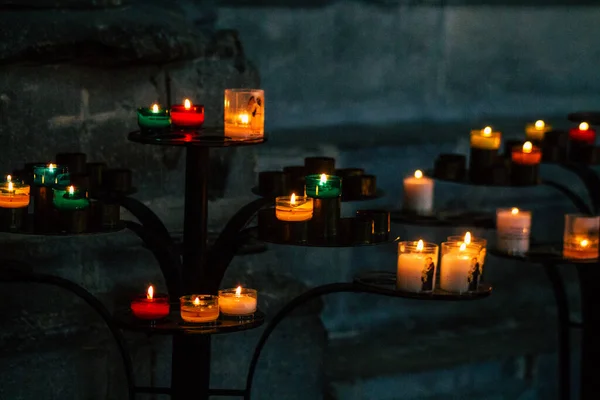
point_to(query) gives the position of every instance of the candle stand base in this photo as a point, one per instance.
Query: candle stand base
(326, 218)
(524, 175)
(74, 221)
(12, 219)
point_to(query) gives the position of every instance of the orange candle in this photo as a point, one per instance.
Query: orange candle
(528, 154)
(13, 194)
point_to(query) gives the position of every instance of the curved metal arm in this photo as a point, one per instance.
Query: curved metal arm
(12, 275)
(146, 216)
(577, 201)
(591, 181)
(169, 262)
(224, 249)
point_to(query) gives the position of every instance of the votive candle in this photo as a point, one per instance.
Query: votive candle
(187, 114)
(583, 133)
(238, 302)
(581, 236)
(293, 208)
(418, 194)
(50, 174)
(460, 267)
(151, 306)
(323, 186)
(244, 113)
(70, 198)
(153, 117)
(486, 138)
(14, 194)
(513, 228)
(199, 308)
(417, 265)
(528, 154)
(537, 130)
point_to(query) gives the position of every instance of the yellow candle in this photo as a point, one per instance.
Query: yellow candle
(199, 308)
(537, 130)
(13, 195)
(293, 208)
(239, 301)
(244, 113)
(486, 139)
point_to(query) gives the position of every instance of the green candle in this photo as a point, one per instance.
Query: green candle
(153, 117)
(323, 186)
(70, 198)
(49, 175)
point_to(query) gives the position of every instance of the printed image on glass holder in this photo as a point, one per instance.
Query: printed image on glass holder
(417, 266)
(460, 268)
(244, 114)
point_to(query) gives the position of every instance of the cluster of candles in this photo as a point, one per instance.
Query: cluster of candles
(300, 208)
(244, 115)
(197, 308)
(460, 269)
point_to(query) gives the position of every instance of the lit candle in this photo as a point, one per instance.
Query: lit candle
(470, 239)
(525, 164)
(244, 113)
(153, 117)
(418, 194)
(323, 186)
(581, 236)
(486, 139)
(583, 133)
(417, 264)
(483, 155)
(528, 154)
(238, 302)
(187, 115)
(513, 227)
(460, 267)
(199, 308)
(14, 194)
(70, 198)
(293, 209)
(537, 130)
(151, 306)
(49, 175)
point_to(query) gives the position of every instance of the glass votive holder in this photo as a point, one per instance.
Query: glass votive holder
(244, 113)
(417, 266)
(14, 194)
(153, 118)
(460, 268)
(294, 208)
(150, 308)
(323, 186)
(581, 236)
(50, 174)
(513, 228)
(471, 240)
(70, 198)
(199, 308)
(238, 301)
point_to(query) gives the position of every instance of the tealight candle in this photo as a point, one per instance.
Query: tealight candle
(486, 139)
(417, 265)
(460, 267)
(525, 164)
(244, 113)
(187, 115)
(50, 174)
(581, 236)
(70, 198)
(323, 186)
(151, 306)
(153, 117)
(14, 194)
(583, 133)
(482, 243)
(418, 194)
(484, 155)
(537, 130)
(198, 308)
(238, 302)
(293, 208)
(513, 227)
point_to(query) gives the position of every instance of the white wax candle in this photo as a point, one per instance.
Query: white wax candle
(416, 272)
(455, 269)
(513, 227)
(237, 302)
(418, 194)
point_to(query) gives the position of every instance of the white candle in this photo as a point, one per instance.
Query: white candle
(418, 194)
(513, 227)
(237, 301)
(417, 264)
(460, 268)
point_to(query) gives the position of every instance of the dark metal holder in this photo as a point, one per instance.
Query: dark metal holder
(379, 194)
(202, 137)
(467, 181)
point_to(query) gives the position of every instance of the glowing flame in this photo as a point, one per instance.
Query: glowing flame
(584, 243)
(487, 131)
(187, 104)
(154, 108)
(584, 126)
(10, 186)
(238, 291)
(293, 199)
(539, 124)
(196, 301)
(8, 178)
(51, 167)
(467, 238)
(514, 211)
(418, 174)
(71, 190)
(150, 294)
(527, 147)
(323, 178)
(463, 247)
(244, 118)
(420, 245)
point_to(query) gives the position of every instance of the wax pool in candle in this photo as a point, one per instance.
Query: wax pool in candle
(153, 117)
(528, 154)
(418, 194)
(244, 113)
(323, 186)
(187, 115)
(486, 139)
(198, 308)
(513, 228)
(238, 302)
(583, 133)
(417, 262)
(293, 208)
(460, 267)
(537, 130)
(70, 198)
(151, 306)
(14, 194)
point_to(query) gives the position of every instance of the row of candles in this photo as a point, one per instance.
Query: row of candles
(244, 115)
(300, 208)
(197, 308)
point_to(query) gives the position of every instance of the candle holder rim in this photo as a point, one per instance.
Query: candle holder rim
(232, 291)
(243, 90)
(199, 296)
(412, 245)
(180, 107)
(519, 148)
(318, 176)
(509, 209)
(308, 199)
(155, 296)
(469, 247)
(474, 239)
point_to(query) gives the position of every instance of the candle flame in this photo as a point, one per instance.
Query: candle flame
(244, 118)
(187, 104)
(467, 238)
(196, 301)
(539, 124)
(51, 166)
(527, 147)
(150, 294)
(71, 189)
(487, 131)
(293, 199)
(10, 186)
(8, 178)
(154, 108)
(420, 245)
(238, 291)
(514, 211)
(584, 126)
(323, 178)
(463, 247)
(418, 174)
(584, 243)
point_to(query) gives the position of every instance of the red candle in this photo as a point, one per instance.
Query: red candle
(583, 133)
(526, 155)
(187, 115)
(150, 306)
